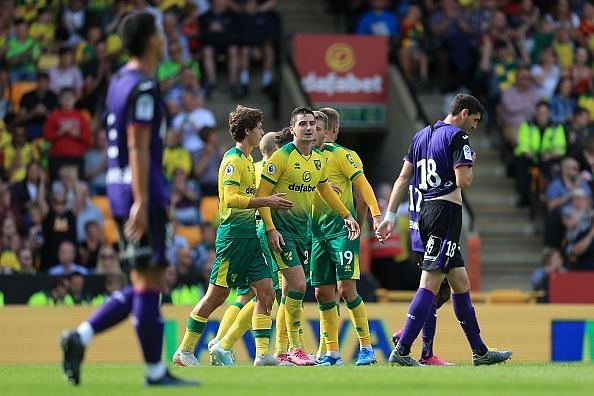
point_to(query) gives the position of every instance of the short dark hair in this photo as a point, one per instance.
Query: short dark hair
(65, 50)
(67, 90)
(43, 74)
(283, 137)
(332, 115)
(205, 132)
(300, 110)
(469, 102)
(543, 103)
(243, 118)
(135, 30)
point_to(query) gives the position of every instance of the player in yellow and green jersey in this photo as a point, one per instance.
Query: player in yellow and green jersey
(298, 170)
(334, 257)
(239, 259)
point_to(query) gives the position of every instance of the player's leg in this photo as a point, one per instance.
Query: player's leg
(427, 356)
(465, 313)
(262, 322)
(323, 278)
(244, 295)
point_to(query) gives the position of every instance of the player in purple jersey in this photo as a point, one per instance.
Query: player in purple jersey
(439, 165)
(136, 190)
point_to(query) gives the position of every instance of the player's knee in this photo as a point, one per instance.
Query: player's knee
(323, 295)
(347, 290)
(298, 286)
(244, 299)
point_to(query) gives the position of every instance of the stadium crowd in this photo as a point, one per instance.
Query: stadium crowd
(56, 61)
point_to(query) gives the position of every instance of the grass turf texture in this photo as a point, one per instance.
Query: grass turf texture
(503, 380)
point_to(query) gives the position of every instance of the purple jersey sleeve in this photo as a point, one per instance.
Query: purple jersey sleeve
(461, 151)
(143, 102)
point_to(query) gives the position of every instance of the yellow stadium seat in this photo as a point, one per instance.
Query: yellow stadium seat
(209, 209)
(192, 234)
(511, 296)
(110, 231)
(102, 203)
(18, 90)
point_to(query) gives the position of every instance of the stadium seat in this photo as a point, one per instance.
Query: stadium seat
(17, 91)
(192, 234)
(512, 296)
(110, 231)
(209, 209)
(102, 203)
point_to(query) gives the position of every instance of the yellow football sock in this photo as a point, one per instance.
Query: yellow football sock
(329, 326)
(194, 328)
(282, 339)
(239, 327)
(322, 344)
(228, 318)
(293, 308)
(301, 328)
(262, 327)
(358, 314)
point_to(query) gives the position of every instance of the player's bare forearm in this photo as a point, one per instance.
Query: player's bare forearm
(138, 151)
(332, 199)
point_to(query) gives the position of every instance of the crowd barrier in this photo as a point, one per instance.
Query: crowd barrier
(536, 333)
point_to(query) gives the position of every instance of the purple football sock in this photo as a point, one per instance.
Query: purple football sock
(149, 325)
(467, 318)
(415, 318)
(429, 332)
(112, 312)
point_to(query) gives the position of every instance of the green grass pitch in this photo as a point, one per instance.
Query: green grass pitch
(503, 380)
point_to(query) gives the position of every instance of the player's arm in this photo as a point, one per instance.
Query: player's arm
(275, 239)
(365, 196)
(400, 188)
(463, 159)
(333, 200)
(235, 200)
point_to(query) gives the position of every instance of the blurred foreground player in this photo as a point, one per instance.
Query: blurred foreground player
(138, 198)
(439, 162)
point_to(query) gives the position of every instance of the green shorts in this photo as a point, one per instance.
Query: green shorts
(334, 260)
(295, 253)
(245, 289)
(238, 262)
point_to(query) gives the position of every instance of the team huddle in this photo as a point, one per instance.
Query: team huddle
(285, 223)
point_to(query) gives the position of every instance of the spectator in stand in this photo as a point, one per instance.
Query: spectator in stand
(34, 235)
(57, 295)
(524, 24)
(173, 33)
(577, 219)
(587, 25)
(412, 54)
(546, 74)
(59, 225)
(185, 195)
(36, 105)
(66, 75)
(559, 195)
(7, 208)
(219, 35)
(9, 262)
(175, 156)
(378, 21)
(68, 131)
(518, 105)
(19, 155)
(43, 29)
(193, 117)
(85, 50)
(561, 17)
(96, 73)
(257, 34)
(207, 161)
(498, 68)
(540, 144)
(564, 49)
(584, 155)
(96, 163)
(552, 262)
(578, 130)
(113, 283)
(108, 262)
(66, 264)
(85, 211)
(31, 190)
(142, 5)
(73, 21)
(581, 72)
(563, 104)
(67, 185)
(25, 256)
(185, 264)
(169, 72)
(22, 53)
(88, 250)
(77, 289)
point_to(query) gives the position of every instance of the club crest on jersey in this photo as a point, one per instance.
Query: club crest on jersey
(349, 158)
(229, 170)
(318, 164)
(297, 165)
(271, 169)
(306, 176)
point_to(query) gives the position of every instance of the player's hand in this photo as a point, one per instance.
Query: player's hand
(377, 220)
(473, 156)
(275, 240)
(353, 227)
(277, 201)
(137, 222)
(384, 230)
(336, 189)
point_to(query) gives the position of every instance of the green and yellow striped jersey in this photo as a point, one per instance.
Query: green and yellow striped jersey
(237, 169)
(343, 166)
(297, 176)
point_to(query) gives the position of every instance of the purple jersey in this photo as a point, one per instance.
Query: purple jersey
(434, 152)
(133, 98)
